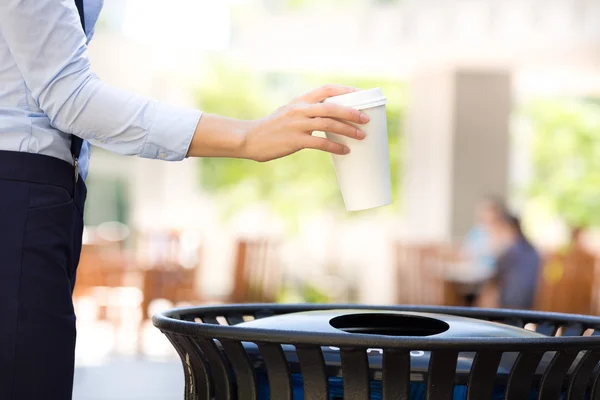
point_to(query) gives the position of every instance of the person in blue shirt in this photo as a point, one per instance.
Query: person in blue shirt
(517, 267)
(52, 109)
(479, 248)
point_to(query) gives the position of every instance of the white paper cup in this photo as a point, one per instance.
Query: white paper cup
(364, 174)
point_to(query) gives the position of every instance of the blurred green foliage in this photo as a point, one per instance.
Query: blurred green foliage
(296, 185)
(566, 159)
(314, 294)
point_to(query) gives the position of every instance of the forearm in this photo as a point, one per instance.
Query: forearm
(217, 136)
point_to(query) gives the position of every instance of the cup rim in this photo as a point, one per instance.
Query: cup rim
(361, 99)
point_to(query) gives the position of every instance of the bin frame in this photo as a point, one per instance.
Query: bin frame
(223, 370)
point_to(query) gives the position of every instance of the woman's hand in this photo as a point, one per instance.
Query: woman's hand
(290, 128)
(286, 131)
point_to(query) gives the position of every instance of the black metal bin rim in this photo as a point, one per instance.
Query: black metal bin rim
(182, 321)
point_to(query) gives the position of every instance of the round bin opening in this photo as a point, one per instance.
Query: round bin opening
(389, 325)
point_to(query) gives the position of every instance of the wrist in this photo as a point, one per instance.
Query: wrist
(217, 136)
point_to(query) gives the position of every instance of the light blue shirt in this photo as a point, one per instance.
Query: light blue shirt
(48, 91)
(478, 246)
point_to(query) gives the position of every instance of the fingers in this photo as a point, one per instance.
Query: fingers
(333, 126)
(324, 92)
(317, 143)
(330, 110)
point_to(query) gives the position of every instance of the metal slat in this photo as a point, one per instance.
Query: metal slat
(314, 376)
(554, 377)
(210, 320)
(195, 368)
(396, 375)
(187, 374)
(280, 385)
(242, 368)
(521, 375)
(355, 369)
(442, 372)
(596, 386)
(234, 319)
(582, 374)
(223, 389)
(483, 374)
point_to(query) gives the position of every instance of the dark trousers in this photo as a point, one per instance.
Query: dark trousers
(41, 225)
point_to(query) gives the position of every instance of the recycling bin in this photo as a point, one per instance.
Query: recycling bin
(358, 352)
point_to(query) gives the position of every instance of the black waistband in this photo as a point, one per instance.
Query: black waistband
(37, 168)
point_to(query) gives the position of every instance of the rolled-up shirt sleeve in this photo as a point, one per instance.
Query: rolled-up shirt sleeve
(49, 47)
(160, 142)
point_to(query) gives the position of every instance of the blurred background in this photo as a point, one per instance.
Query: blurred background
(493, 115)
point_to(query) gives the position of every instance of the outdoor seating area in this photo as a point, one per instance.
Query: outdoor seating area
(121, 288)
(569, 280)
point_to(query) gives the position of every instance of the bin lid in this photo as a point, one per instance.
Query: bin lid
(388, 323)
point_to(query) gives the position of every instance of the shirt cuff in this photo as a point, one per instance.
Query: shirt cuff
(171, 134)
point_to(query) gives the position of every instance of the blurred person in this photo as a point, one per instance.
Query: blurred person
(52, 109)
(478, 248)
(517, 266)
(578, 243)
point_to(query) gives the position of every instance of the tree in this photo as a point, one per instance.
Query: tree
(566, 159)
(302, 183)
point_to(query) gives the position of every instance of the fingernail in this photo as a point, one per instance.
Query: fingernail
(346, 150)
(360, 134)
(364, 118)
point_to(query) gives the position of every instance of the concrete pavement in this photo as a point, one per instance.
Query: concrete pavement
(130, 379)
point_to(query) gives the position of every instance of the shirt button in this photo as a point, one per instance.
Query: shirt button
(162, 156)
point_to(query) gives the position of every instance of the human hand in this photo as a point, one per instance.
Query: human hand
(290, 128)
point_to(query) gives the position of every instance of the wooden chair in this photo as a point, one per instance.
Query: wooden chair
(567, 282)
(176, 285)
(419, 274)
(166, 279)
(101, 277)
(257, 276)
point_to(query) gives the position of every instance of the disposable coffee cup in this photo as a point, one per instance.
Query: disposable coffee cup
(364, 174)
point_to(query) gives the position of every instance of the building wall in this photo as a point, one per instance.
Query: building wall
(396, 39)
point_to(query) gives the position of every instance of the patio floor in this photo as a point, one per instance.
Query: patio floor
(129, 379)
(111, 365)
